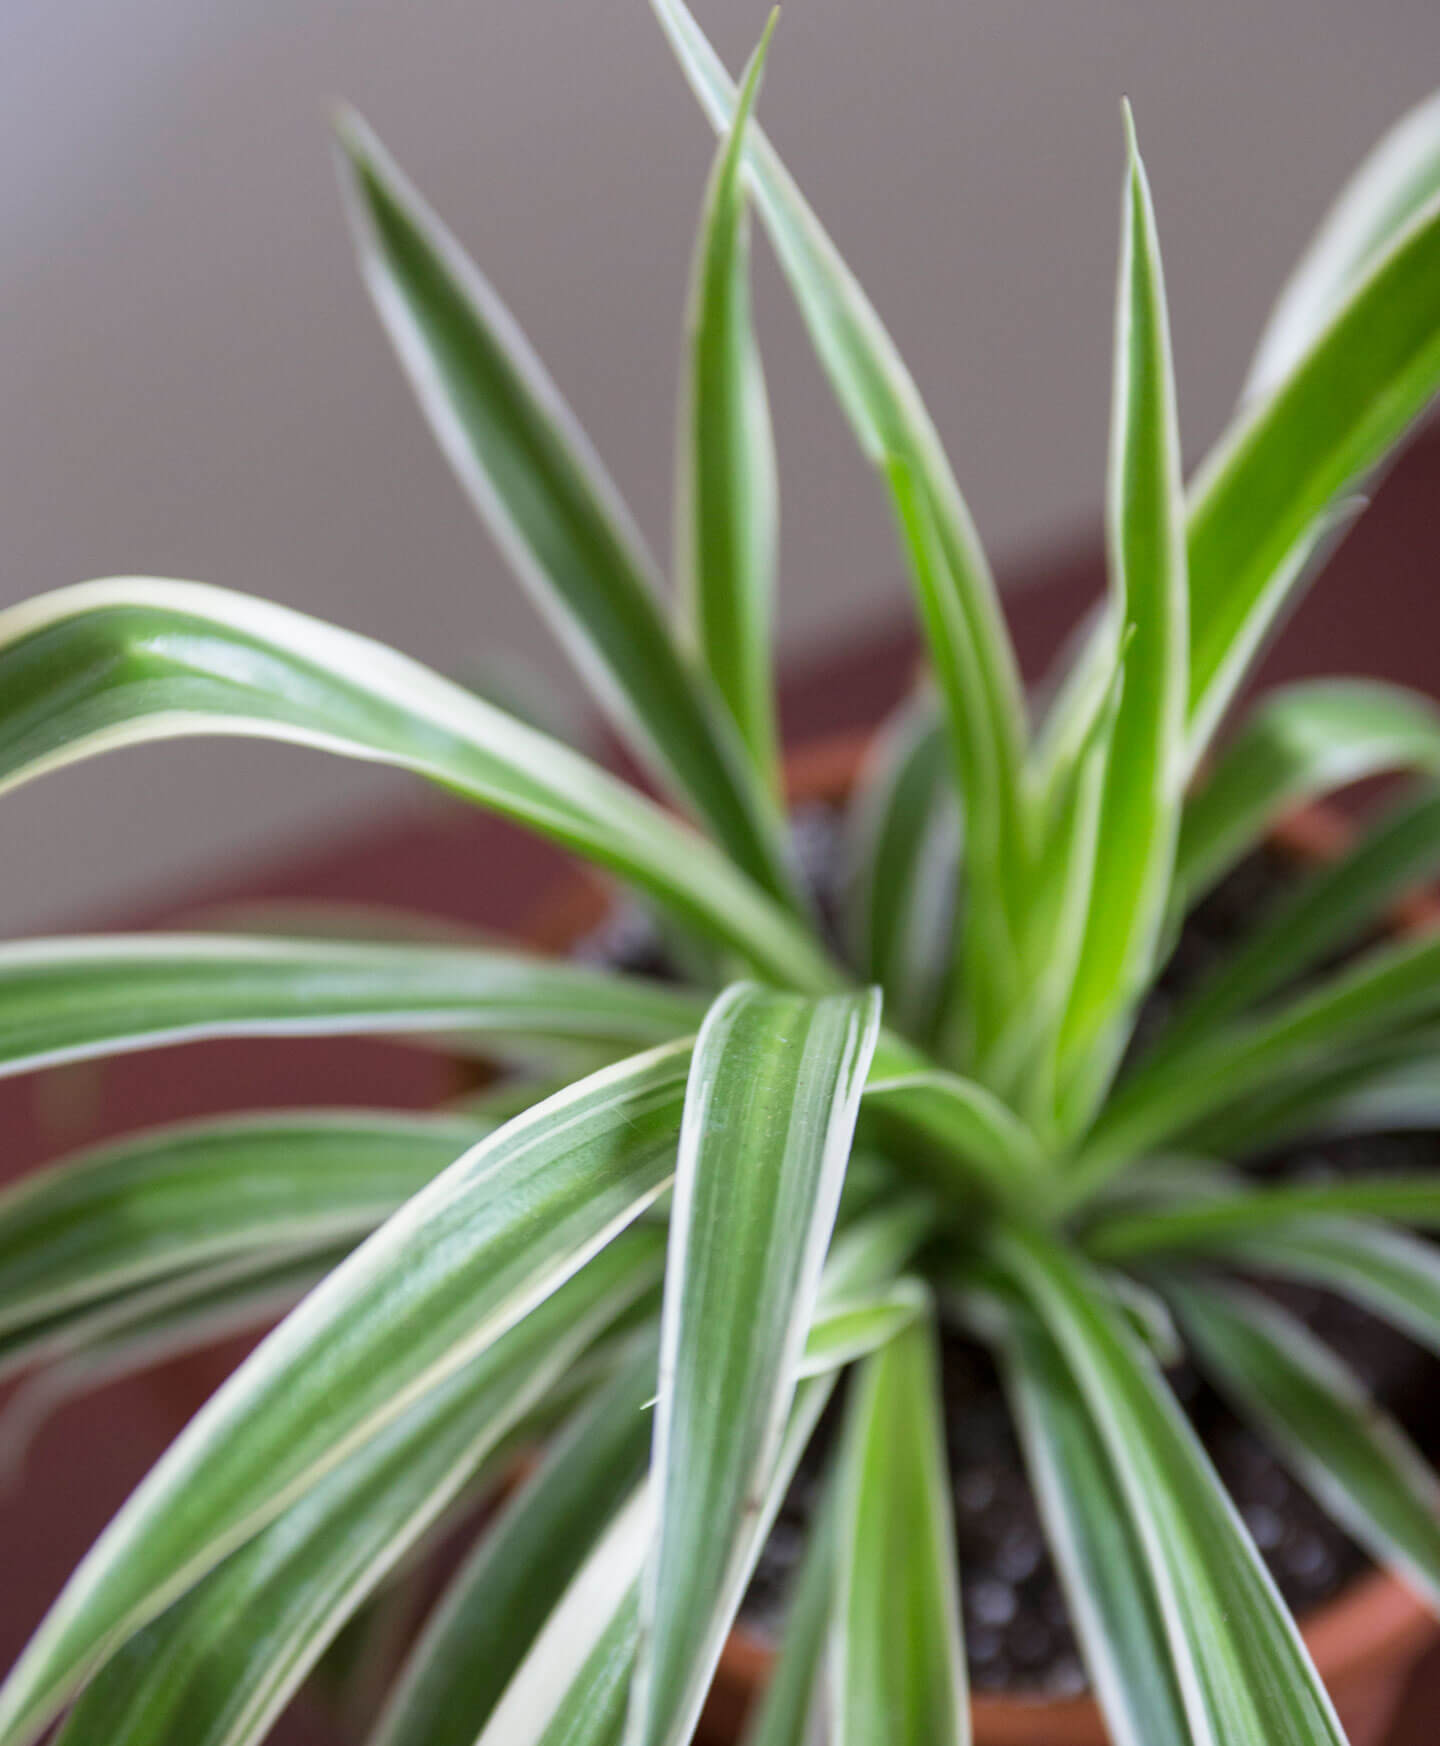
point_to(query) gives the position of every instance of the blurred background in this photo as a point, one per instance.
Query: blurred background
(193, 383)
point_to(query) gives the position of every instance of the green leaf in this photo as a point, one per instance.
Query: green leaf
(1385, 989)
(530, 473)
(217, 1667)
(769, 1117)
(788, 1710)
(975, 661)
(1101, 1559)
(574, 1684)
(995, 852)
(461, 1263)
(573, 1688)
(1395, 182)
(1145, 761)
(1239, 1664)
(726, 487)
(897, 1664)
(1325, 912)
(82, 1350)
(1356, 1460)
(968, 1139)
(1389, 1272)
(1301, 741)
(904, 846)
(116, 663)
(1248, 1212)
(185, 1196)
(69, 998)
(497, 1603)
(1360, 385)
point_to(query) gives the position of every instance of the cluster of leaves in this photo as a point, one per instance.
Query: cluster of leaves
(664, 1264)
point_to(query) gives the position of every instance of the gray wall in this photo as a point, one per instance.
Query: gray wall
(192, 383)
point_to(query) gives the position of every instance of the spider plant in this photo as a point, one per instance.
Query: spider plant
(659, 1269)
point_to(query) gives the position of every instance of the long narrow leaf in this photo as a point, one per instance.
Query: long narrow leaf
(1249, 1212)
(1388, 1271)
(897, 1664)
(1326, 912)
(1366, 377)
(904, 871)
(1145, 761)
(573, 1688)
(496, 1605)
(446, 1276)
(1240, 1667)
(116, 663)
(69, 998)
(787, 1713)
(956, 593)
(1387, 988)
(769, 1116)
(182, 1197)
(217, 1667)
(527, 468)
(1111, 1598)
(1354, 1457)
(1395, 181)
(1302, 741)
(727, 488)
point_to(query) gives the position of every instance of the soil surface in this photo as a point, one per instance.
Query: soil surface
(1017, 1631)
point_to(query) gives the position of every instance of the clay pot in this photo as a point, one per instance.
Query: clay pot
(1365, 1642)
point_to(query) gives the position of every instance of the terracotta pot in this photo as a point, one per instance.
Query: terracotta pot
(1365, 1642)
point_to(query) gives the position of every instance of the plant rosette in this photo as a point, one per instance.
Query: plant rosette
(713, 1197)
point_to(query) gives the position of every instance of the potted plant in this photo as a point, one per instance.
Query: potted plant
(801, 1159)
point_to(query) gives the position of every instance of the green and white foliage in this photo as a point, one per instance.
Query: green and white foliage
(617, 1301)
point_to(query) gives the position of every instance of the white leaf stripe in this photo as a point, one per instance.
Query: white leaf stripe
(1395, 181)
(190, 1195)
(769, 1115)
(526, 466)
(446, 1276)
(1144, 760)
(215, 1668)
(133, 659)
(1107, 1588)
(896, 1661)
(1243, 1673)
(1350, 1454)
(726, 485)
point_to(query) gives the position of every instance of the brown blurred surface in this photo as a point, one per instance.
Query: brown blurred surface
(1376, 610)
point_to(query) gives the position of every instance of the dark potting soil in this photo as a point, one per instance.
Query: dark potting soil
(1017, 1632)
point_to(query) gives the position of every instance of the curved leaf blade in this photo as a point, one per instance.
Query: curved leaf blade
(904, 846)
(461, 1262)
(71, 998)
(1301, 741)
(121, 662)
(530, 473)
(216, 1668)
(1361, 384)
(896, 1661)
(1356, 1460)
(769, 1117)
(955, 591)
(1107, 1587)
(1240, 1666)
(499, 1600)
(196, 1194)
(1394, 183)
(1328, 909)
(1145, 757)
(726, 487)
